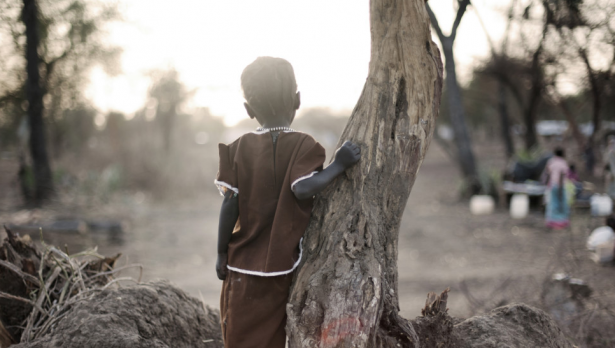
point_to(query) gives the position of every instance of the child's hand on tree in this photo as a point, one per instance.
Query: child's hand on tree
(348, 155)
(221, 263)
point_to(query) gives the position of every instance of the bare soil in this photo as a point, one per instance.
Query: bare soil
(487, 261)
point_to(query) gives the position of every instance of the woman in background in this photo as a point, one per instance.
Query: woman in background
(558, 208)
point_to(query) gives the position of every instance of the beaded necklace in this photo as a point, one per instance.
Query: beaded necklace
(275, 129)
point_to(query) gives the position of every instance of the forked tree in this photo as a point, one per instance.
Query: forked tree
(463, 143)
(346, 292)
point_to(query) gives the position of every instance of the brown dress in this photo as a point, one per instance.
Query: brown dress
(265, 245)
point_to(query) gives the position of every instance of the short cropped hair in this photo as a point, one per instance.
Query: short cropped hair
(559, 152)
(269, 86)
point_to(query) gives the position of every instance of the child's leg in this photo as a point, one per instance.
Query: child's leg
(255, 311)
(224, 295)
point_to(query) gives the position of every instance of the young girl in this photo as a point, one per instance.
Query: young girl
(558, 209)
(268, 179)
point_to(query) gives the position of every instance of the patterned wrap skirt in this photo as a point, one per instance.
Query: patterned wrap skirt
(558, 208)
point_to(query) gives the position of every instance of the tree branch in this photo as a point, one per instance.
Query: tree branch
(463, 4)
(49, 66)
(508, 25)
(434, 23)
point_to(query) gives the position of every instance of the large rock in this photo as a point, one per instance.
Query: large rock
(150, 315)
(512, 326)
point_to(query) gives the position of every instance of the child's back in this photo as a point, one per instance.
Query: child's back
(271, 220)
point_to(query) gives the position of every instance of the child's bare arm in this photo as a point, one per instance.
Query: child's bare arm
(228, 218)
(345, 157)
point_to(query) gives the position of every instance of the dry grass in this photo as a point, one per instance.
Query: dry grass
(60, 281)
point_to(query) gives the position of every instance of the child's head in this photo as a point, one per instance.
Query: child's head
(270, 90)
(559, 152)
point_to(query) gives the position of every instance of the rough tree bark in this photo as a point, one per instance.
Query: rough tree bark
(457, 112)
(38, 145)
(345, 292)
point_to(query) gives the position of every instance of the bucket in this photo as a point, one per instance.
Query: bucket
(481, 205)
(604, 252)
(519, 206)
(601, 205)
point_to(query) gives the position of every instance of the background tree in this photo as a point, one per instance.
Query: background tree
(527, 70)
(345, 293)
(586, 29)
(463, 143)
(38, 150)
(502, 104)
(69, 43)
(169, 93)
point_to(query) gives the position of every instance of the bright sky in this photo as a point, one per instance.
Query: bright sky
(210, 42)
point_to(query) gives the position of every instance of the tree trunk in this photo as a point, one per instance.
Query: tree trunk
(531, 112)
(572, 122)
(465, 155)
(596, 105)
(458, 117)
(38, 146)
(345, 292)
(535, 96)
(505, 120)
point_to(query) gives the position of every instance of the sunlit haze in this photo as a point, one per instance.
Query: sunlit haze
(210, 42)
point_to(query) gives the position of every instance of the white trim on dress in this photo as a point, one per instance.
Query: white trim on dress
(292, 186)
(222, 184)
(270, 274)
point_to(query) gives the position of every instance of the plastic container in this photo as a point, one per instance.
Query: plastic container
(602, 244)
(519, 206)
(481, 205)
(601, 205)
(599, 236)
(604, 252)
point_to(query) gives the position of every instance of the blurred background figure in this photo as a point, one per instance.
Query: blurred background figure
(557, 213)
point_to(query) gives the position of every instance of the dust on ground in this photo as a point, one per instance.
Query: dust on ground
(487, 261)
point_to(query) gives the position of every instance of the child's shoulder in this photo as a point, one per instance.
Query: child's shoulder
(248, 141)
(258, 135)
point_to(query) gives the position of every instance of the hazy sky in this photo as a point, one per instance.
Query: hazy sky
(210, 42)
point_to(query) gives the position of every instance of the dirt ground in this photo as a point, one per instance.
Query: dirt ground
(486, 260)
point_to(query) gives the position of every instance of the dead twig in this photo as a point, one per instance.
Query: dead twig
(118, 269)
(21, 299)
(22, 274)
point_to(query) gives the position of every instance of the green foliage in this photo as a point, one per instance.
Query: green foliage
(27, 178)
(533, 155)
(490, 180)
